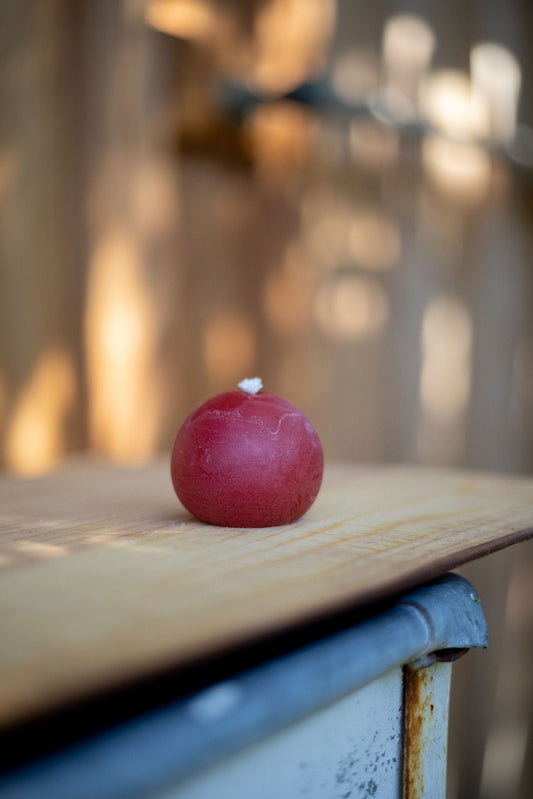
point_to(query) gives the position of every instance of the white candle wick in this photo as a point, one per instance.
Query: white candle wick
(251, 385)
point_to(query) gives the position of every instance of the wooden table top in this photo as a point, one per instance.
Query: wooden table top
(104, 577)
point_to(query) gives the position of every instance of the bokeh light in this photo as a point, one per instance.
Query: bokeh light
(351, 307)
(36, 431)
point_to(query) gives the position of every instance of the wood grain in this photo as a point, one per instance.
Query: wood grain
(104, 577)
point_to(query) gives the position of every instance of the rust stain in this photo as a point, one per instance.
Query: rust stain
(417, 707)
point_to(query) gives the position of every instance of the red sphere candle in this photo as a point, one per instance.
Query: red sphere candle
(247, 458)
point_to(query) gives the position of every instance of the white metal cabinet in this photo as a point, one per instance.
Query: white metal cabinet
(362, 712)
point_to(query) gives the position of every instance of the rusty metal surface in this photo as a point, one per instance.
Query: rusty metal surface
(425, 731)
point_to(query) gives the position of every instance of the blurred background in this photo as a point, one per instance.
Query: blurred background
(333, 194)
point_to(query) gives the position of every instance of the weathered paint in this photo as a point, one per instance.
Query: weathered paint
(349, 750)
(426, 694)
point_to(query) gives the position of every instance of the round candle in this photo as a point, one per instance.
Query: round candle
(247, 458)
